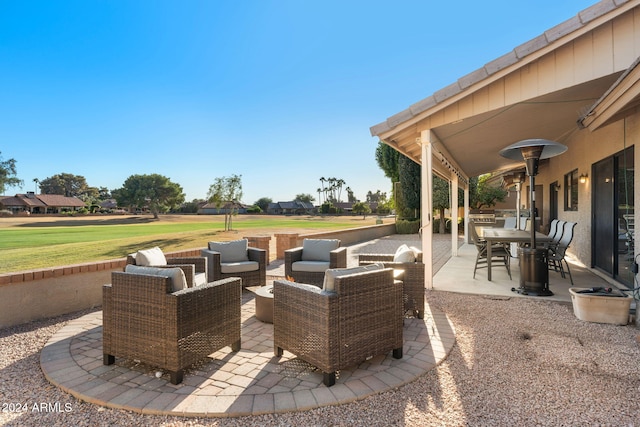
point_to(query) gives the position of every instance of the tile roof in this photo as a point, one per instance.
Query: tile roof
(517, 54)
(54, 200)
(60, 201)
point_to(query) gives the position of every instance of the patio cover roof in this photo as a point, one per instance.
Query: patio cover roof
(470, 128)
(619, 101)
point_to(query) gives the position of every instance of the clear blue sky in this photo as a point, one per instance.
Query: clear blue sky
(281, 92)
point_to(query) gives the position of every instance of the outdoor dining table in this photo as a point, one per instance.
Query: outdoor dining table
(507, 235)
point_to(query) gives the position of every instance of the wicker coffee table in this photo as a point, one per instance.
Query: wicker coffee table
(264, 303)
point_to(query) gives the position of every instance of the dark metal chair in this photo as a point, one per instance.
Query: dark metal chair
(557, 252)
(499, 252)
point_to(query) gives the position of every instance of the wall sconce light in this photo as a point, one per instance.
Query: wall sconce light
(556, 187)
(583, 178)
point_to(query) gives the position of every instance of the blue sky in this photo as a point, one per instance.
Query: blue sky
(280, 92)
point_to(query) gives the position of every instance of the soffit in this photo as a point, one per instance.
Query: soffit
(473, 143)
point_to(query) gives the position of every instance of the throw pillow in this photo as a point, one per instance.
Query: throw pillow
(153, 256)
(404, 254)
(232, 251)
(417, 253)
(178, 279)
(331, 274)
(318, 249)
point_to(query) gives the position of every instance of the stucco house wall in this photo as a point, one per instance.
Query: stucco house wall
(584, 149)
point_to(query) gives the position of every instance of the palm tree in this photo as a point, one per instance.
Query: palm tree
(37, 181)
(339, 183)
(322, 181)
(319, 190)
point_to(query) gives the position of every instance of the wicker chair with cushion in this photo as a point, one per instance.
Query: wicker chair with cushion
(236, 259)
(154, 318)
(195, 268)
(408, 261)
(307, 263)
(335, 329)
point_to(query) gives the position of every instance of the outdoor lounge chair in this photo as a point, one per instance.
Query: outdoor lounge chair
(307, 263)
(412, 276)
(145, 319)
(236, 259)
(335, 329)
(195, 268)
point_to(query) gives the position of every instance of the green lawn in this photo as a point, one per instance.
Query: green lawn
(54, 242)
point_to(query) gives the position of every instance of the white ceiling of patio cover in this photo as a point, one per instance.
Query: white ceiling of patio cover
(475, 142)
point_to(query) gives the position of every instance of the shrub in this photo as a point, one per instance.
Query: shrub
(255, 209)
(406, 226)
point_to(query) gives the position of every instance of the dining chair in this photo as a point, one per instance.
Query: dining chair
(510, 222)
(499, 252)
(556, 253)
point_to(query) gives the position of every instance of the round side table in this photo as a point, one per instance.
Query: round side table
(264, 304)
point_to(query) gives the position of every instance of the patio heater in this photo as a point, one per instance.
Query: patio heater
(534, 269)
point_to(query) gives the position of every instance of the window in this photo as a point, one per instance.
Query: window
(571, 191)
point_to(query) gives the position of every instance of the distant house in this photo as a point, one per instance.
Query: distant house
(40, 203)
(211, 209)
(295, 207)
(347, 207)
(109, 204)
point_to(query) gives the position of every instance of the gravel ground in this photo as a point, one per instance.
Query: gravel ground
(516, 362)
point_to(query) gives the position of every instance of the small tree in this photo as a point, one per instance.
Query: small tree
(154, 191)
(351, 198)
(263, 203)
(410, 186)
(361, 208)
(307, 198)
(486, 194)
(8, 174)
(441, 199)
(226, 191)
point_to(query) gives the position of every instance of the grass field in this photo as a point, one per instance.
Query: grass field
(28, 243)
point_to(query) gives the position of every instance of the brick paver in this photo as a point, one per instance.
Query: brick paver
(251, 381)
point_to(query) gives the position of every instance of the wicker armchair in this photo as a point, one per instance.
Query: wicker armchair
(250, 264)
(195, 268)
(334, 330)
(305, 268)
(412, 277)
(144, 320)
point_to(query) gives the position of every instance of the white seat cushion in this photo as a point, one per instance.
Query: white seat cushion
(200, 279)
(404, 254)
(310, 266)
(239, 267)
(178, 279)
(331, 274)
(318, 249)
(153, 256)
(233, 251)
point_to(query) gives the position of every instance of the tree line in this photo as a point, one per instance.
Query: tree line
(159, 194)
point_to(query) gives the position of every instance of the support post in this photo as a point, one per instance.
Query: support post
(427, 205)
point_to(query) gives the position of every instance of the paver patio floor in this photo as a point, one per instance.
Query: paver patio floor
(249, 382)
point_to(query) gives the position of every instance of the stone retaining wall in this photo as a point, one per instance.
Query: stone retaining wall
(37, 294)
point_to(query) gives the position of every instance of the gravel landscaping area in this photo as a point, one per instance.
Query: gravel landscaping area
(516, 362)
